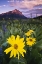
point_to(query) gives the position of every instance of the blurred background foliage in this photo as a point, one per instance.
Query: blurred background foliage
(20, 27)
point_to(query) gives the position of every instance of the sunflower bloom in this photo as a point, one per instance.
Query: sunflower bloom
(30, 41)
(17, 46)
(29, 33)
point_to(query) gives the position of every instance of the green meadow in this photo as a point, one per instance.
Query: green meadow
(20, 27)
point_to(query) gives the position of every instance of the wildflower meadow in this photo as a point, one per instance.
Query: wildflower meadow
(21, 41)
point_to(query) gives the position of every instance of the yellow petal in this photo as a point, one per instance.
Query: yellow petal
(21, 53)
(11, 40)
(24, 50)
(8, 50)
(17, 39)
(11, 54)
(18, 55)
(29, 33)
(15, 53)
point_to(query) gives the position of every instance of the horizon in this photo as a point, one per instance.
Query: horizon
(27, 7)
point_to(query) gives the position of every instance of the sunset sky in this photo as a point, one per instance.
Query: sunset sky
(25, 6)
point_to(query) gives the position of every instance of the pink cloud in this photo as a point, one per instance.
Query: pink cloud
(25, 3)
(10, 1)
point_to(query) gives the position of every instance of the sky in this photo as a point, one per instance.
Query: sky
(27, 7)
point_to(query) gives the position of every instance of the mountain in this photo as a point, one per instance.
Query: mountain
(38, 17)
(14, 14)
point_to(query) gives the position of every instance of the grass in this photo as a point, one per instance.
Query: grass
(20, 27)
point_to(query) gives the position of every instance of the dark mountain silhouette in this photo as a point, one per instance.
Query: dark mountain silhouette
(38, 17)
(15, 14)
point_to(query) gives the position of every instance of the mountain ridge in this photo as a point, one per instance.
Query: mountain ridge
(38, 17)
(13, 14)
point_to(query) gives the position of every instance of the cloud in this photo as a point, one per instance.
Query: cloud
(28, 6)
(10, 1)
(25, 3)
(34, 11)
(38, 11)
(0, 6)
(3, 5)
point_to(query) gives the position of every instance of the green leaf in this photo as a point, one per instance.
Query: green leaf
(41, 61)
(16, 61)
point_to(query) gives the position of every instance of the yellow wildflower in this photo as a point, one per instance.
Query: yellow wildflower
(29, 33)
(17, 46)
(30, 41)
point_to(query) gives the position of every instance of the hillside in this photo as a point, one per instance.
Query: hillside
(39, 17)
(14, 14)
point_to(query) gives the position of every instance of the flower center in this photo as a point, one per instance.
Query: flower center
(30, 39)
(15, 46)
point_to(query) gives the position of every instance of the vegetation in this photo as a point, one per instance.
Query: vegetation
(20, 27)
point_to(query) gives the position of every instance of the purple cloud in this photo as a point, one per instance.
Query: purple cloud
(26, 6)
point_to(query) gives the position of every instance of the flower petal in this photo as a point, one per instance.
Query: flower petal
(15, 53)
(18, 55)
(11, 40)
(11, 54)
(8, 50)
